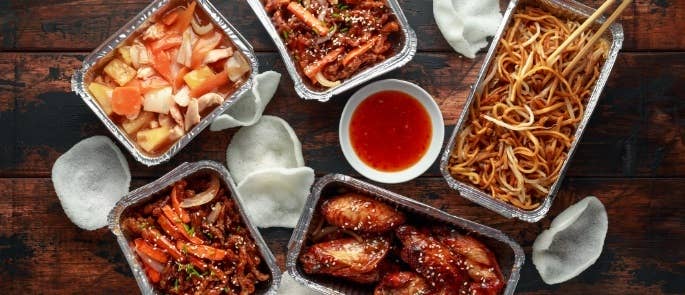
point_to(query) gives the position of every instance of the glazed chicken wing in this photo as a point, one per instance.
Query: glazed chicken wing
(402, 283)
(431, 259)
(347, 258)
(479, 261)
(361, 213)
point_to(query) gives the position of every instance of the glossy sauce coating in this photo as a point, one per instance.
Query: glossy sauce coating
(390, 131)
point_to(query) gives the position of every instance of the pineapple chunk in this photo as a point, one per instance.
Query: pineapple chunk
(132, 126)
(152, 139)
(125, 52)
(103, 95)
(195, 78)
(120, 71)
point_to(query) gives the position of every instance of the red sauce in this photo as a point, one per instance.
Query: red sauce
(390, 131)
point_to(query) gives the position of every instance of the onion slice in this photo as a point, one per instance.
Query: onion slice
(203, 197)
(201, 30)
(216, 209)
(325, 82)
(236, 66)
(185, 52)
(329, 36)
(352, 234)
(323, 232)
(158, 267)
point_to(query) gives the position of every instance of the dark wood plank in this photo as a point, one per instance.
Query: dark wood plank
(41, 251)
(637, 129)
(83, 25)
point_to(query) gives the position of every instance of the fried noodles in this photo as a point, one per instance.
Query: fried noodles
(522, 122)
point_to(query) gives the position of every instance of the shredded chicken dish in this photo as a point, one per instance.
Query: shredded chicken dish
(331, 40)
(192, 240)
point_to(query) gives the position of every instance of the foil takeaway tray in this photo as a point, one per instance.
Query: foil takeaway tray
(508, 253)
(145, 193)
(561, 8)
(83, 76)
(404, 53)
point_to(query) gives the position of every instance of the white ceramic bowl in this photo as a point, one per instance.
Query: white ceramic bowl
(428, 158)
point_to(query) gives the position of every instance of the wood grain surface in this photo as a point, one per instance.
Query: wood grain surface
(43, 252)
(82, 24)
(632, 155)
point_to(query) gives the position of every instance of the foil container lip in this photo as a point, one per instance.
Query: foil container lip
(571, 7)
(79, 78)
(148, 191)
(402, 57)
(296, 243)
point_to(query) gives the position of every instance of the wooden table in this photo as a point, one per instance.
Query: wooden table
(632, 155)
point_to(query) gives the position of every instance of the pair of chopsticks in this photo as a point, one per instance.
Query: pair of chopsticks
(584, 51)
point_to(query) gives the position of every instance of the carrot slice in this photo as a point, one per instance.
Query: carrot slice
(149, 250)
(197, 262)
(314, 68)
(308, 18)
(202, 251)
(357, 52)
(126, 100)
(170, 18)
(169, 227)
(210, 84)
(177, 206)
(152, 274)
(161, 62)
(169, 41)
(133, 83)
(203, 46)
(184, 18)
(154, 236)
(178, 82)
(180, 226)
(169, 213)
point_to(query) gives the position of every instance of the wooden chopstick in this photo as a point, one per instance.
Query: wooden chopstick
(584, 51)
(555, 55)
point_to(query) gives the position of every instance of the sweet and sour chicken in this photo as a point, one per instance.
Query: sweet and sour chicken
(331, 40)
(160, 82)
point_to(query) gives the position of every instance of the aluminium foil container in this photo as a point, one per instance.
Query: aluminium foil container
(147, 193)
(561, 8)
(508, 253)
(404, 52)
(83, 76)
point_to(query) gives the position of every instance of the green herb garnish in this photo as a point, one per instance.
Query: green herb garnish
(344, 30)
(190, 269)
(189, 229)
(143, 225)
(175, 285)
(285, 35)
